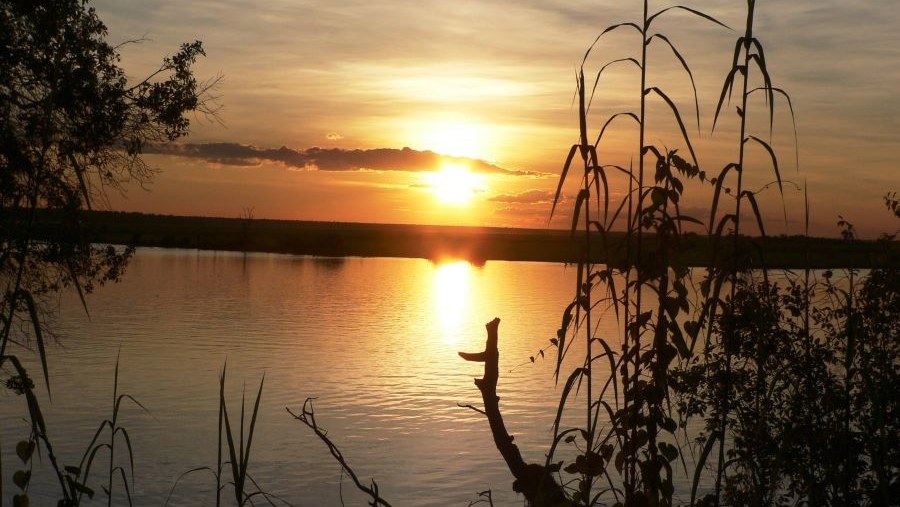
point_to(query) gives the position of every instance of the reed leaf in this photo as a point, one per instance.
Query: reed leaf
(686, 68)
(600, 72)
(793, 117)
(125, 483)
(718, 190)
(774, 158)
(556, 440)
(751, 198)
(233, 456)
(610, 120)
(562, 179)
(575, 376)
(726, 93)
(600, 172)
(182, 476)
(722, 223)
(677, 114)
(695, 12)
(583, 195)
(246, 457)
(127, 439)
(770, 99)
(561, 336)
(133, 400)
(606, 31)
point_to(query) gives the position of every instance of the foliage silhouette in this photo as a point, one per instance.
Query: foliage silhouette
(71, 127)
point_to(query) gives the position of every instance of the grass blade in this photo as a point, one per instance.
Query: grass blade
(246, 458)
(230, 439)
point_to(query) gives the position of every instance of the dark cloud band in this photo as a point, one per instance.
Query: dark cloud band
(333, 159)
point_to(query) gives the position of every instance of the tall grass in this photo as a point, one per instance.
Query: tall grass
(744, 357)
(627, 445)
(233, 444)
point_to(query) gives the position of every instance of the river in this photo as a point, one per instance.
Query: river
(375, 340)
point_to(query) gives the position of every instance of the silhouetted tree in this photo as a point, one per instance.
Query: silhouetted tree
(71, 126)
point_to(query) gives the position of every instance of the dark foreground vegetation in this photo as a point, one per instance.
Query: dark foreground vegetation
(477, 244)
(733, 384)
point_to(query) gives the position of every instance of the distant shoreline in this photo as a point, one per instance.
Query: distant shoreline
(478, 244)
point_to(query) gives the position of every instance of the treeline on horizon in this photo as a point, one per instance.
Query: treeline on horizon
(476, 244)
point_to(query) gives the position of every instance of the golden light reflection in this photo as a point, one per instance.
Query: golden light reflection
(454, 184)
(452, 287)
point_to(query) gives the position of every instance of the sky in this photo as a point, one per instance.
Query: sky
(337, 110)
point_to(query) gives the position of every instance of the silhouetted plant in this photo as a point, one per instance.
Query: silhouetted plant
(77, 477)
(629, 431)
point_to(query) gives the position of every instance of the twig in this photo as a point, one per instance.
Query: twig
(308, 417)
(482, 412)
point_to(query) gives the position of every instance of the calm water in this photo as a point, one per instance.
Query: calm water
(374, 339)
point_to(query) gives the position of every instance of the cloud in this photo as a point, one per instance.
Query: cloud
(328, 159)
(532, 196)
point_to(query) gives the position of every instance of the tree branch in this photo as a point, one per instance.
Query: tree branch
(534, 481)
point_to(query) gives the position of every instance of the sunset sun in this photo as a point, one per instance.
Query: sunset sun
(454, 184)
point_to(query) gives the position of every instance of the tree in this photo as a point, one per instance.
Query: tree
(72, 127)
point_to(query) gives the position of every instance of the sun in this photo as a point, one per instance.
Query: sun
(454, 135)
(454, 184)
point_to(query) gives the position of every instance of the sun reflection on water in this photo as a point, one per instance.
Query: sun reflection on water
(452, 288)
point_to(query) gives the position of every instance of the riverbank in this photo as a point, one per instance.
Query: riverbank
(477, 244)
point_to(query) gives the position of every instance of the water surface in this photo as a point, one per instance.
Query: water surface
(374, 339)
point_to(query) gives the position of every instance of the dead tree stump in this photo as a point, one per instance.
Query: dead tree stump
(534, 481)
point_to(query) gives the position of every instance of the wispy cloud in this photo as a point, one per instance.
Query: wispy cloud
(328, 159)
(532, 196)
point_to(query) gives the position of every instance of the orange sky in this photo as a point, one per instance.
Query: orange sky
(494, 81)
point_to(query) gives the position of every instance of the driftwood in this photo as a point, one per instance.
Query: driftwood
(534, 481)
